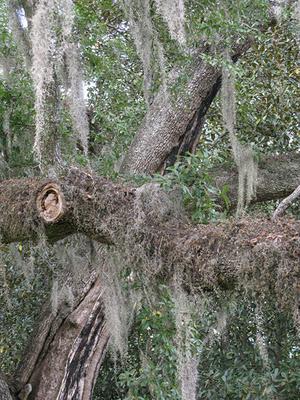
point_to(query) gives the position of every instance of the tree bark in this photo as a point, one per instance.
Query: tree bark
(286, 203)
(171, 128)
(62, 361)
(121, 216)
(4, 389)
(33, 207)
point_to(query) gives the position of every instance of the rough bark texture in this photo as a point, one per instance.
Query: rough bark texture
(115, 214)
(4, 390)
(171, 128)
(63, 358)
(88, 198)
(286, 203)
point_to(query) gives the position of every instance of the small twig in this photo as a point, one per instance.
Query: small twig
(284, 204)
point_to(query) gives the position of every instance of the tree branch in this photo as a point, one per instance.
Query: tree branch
(277, 177)
(80, 202)
(286, 203)
(172, 127)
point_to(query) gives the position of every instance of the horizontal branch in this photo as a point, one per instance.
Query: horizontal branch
(146, 218)
(83, 203)
(278, 176)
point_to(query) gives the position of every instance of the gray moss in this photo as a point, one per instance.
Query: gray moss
(243, 154)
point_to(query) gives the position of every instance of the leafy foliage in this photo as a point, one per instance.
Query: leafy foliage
(200, 197)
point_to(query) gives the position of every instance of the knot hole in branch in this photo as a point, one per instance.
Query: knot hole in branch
(51, 203)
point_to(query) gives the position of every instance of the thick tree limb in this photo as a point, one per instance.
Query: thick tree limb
(119, 215)
(166, 122)
(172, 128)
(208, 256)
(32, 207)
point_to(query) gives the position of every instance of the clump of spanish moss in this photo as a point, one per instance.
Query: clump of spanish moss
(152, 201)
(187, 359)
(43, 49)
(297, 19)
(119, 301)
(52, 47)
(7, 65)
(138, 14)
(19, 28)
(243, 154)
(260, 337)
(61, 296)
(54, 297)
(172, 12)
(74, 82)
(4, 288)
(147, 43)
(76, 97)
(277, 9)
(162, 68)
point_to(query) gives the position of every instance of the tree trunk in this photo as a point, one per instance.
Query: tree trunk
(63, 360)
(171, 128)
(4, 389)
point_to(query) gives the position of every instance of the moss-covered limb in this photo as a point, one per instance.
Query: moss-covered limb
(286, 203)
(145, 218)
(19, 214)
(103, 210)
(277, 177)
(238, 252)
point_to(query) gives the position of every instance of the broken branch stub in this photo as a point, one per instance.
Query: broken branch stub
(51, 203)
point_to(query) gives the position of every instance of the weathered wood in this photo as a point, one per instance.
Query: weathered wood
(284, 204)
(4, 389)
(57, 364)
